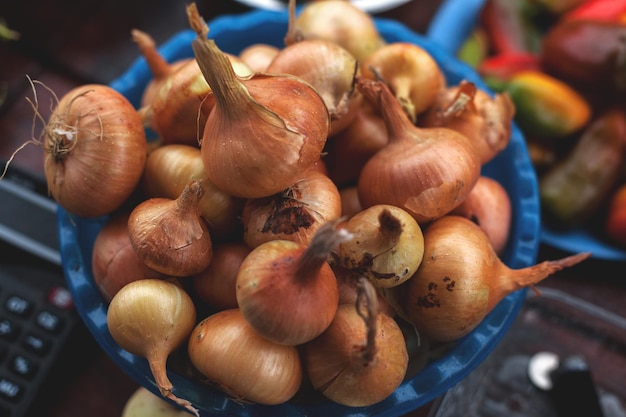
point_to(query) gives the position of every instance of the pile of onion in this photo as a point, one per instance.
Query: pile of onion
(308, 226)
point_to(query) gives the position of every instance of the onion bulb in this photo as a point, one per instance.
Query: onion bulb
(171, 167)
(362, 357)
(461, 279)
(294, 214)
(230, 353)
(287, 290)
(169, 235)
(258, 56)
(151, 318)
(489, 206)
(264, 131)
(386, 245)
(341, 22)
(486, 121)
(410, 72)
(425, 171)
(95, 150)
(114, 260)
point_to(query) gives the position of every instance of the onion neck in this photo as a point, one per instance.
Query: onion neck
(159, 67)
(190, 196)
(396, 120)
(367, 309)
(327, 238)
(227, 88)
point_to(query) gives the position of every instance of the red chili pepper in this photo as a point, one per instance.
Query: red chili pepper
(609, 10)
(503, 66)
(502, 22)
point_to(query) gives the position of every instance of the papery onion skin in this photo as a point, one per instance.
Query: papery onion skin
(170, 236)
(95, 150)
(295, 214)
(230, 353)
(334, 365)
(264, 131)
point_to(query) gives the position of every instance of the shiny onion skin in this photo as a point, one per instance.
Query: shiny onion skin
(461, 279)
(95, 150)
(287, 290)
(231, 354)
(151, 318)
(425, 171)
(294, 214)
(264, 131)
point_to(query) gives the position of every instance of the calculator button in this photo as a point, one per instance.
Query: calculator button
(22, 366)
(60, 297)
(49, 321)
(8, 330)
(36, 344)
(10, 390)
(18, 306)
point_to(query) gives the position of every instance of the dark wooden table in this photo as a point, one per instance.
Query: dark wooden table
(65, 43)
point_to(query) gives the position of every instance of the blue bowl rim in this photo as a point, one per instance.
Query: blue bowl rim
(76, 236)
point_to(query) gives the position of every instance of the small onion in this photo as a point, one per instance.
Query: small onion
(287, 290)
(230, 353)
(294, 214)
(95, 150)
(170, 236)
(361, 358)
(461, 279)
(151, 318)
(386, 247)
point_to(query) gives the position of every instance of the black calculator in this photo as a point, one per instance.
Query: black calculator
(41, 334)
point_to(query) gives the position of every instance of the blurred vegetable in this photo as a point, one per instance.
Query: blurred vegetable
(143, 403)
(575, 188)
(609, 10)
(546, 107)
(589, 54)
(615, 223)
(508, 28)
(496, 70)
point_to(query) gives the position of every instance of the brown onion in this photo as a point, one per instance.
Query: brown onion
(287, 291)
(114, 260)
(410, 72)
(170, 168)
(486, 121)
(258, 56)
(169, 235)
(425, 171)
(489, 206)
(361, 358)
(230, 353)
(341, 22)
(95, 150)
(151, 318)
(217, 284)
(294, 214)
(264, 131)
(461, 279)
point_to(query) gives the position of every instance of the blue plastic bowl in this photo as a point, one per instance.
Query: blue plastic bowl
(512, 168)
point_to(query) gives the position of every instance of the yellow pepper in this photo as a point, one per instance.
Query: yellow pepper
(545, 107)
